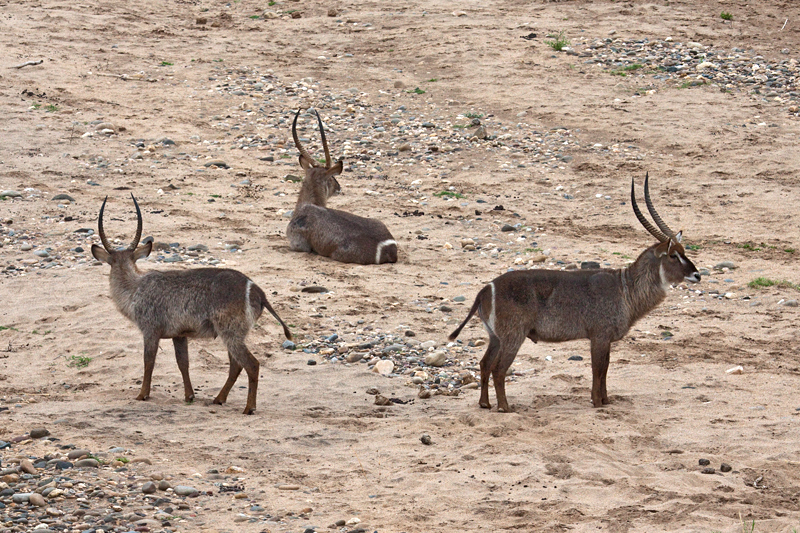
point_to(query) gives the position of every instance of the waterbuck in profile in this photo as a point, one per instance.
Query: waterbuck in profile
(329, 232)
(183, 304)
(555, 306)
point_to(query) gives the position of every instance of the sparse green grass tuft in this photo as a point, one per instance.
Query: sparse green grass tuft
(726, 16)
(623, 71)
(450, 194)
(166, 64)
(79, 361)
(473, 114)
(693, 247)
(559, 41)
(762, 282)
(789, 250)
(749, 246)
(416, 90)
(51, 108)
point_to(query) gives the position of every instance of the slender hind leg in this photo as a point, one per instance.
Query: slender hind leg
(233, 373)
(250, 365)
(508, 351)
(486, 364)
(150, 351)
(601, 355)
(181, 345)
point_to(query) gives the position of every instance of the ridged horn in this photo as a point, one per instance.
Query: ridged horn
(100, 231)
(646, 223)
(138, 236)
(657, 219)
(328, 162)
(299, 146)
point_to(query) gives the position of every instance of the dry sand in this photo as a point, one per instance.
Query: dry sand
(723, 168)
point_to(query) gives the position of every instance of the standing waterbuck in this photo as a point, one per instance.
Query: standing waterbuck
(182, 304)
(332, 233)
(557, 306)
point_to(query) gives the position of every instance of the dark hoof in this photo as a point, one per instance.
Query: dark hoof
(142, 398)
(249, 411)
(217, 401)
(485, 405)
(190, 399)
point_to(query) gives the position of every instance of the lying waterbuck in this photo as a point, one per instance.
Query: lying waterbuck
(329, 232)
(557, 306)
(179, 304)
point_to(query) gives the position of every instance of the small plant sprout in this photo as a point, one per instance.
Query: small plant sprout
(726, 16)
(559, 41)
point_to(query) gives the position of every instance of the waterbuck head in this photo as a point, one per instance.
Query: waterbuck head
(673, 265)
(320, 182)
(129, 255)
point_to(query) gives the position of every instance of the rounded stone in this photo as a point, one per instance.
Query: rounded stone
(38, 433)
(185, 490)
(149, 487)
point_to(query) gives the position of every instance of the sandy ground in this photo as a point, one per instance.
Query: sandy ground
(723, 168)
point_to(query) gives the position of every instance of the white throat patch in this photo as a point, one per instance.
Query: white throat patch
(664, 283)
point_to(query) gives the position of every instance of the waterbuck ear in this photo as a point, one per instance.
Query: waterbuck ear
(679, 236)
(336, 169)
(664, 248)
(100, 254)
(305, 162)
(143, 251)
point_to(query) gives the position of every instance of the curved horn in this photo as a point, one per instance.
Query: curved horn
(138, 236)
(100, 231)
(297, 140)
(660, 223)
(328, 161)
(646, 223)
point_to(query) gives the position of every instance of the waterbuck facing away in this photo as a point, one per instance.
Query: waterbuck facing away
(179, 304)
(336, 234)
(557, 306)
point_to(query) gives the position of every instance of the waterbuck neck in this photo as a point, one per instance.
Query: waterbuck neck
(311, 193)
(642, 285)
(124, 280)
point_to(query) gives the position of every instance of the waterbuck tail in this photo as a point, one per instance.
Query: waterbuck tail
(472, 311)
(265, 305)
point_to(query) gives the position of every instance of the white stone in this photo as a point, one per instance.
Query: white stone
(384, 367)
(437, 358)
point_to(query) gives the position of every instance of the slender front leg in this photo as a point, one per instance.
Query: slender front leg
(150, 351)
(181, 345)
(601, 355)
